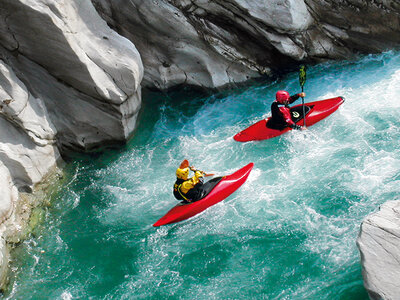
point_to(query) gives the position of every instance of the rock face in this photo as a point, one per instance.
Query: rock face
(214, 43)
(67, 82)
(87, 76)
(379, 244)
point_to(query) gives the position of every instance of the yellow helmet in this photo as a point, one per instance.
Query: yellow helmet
(182, 173)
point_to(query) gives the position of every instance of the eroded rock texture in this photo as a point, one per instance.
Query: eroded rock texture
(67, 81)
(379, 245)
(213, 43)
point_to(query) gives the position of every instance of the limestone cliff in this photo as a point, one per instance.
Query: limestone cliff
(214, 43)
(67, 81)
(379, 244)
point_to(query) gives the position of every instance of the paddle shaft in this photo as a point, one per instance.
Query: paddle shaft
(304, 108)
(302, 81)
(204, 173)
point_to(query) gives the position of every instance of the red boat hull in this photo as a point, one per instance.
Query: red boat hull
(319, 110)
(222, 190)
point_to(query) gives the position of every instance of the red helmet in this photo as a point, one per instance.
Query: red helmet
(282, 96)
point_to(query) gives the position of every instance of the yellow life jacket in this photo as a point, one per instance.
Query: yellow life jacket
(181, 186)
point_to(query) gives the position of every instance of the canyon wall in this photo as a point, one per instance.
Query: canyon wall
(215, 43)
(67, 83)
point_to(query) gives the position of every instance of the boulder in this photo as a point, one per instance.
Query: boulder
(87, 76)
(379, 244)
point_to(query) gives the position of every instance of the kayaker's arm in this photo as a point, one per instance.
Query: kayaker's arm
(202, 172)
(296, 96)
(285, 112)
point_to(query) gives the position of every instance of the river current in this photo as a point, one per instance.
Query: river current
(288, 233)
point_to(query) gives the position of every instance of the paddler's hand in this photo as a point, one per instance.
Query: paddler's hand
(202, 172)
(302, 94)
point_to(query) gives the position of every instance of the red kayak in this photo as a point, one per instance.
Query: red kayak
(315, 112)
(225, 187)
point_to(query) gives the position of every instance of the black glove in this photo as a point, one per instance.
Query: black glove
(294, 126)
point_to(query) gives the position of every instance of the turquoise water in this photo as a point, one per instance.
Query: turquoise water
(288, 233)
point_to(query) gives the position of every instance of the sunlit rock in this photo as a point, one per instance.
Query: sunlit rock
(19, 107)
(379, 244)
(9, 194)
(69, 54)
(67, 82)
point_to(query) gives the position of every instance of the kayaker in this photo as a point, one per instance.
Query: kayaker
(185, 188)
(280, 111)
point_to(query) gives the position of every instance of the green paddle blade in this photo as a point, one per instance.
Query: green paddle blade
(302, 75)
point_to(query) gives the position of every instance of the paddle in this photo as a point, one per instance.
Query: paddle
(204, 173)
(302, 81)
(208, 174)
(185, 164)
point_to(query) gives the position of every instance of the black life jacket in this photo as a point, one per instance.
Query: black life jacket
(177, 189)
(276, 121)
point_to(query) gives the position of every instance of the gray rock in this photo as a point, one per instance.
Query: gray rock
(83, 122)
(19, 107)
(82, 72)
(379, 244)
(358, 25)
(9, 193)
(75, 45)
(67, 82)
(4, 258)
(214, 43)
